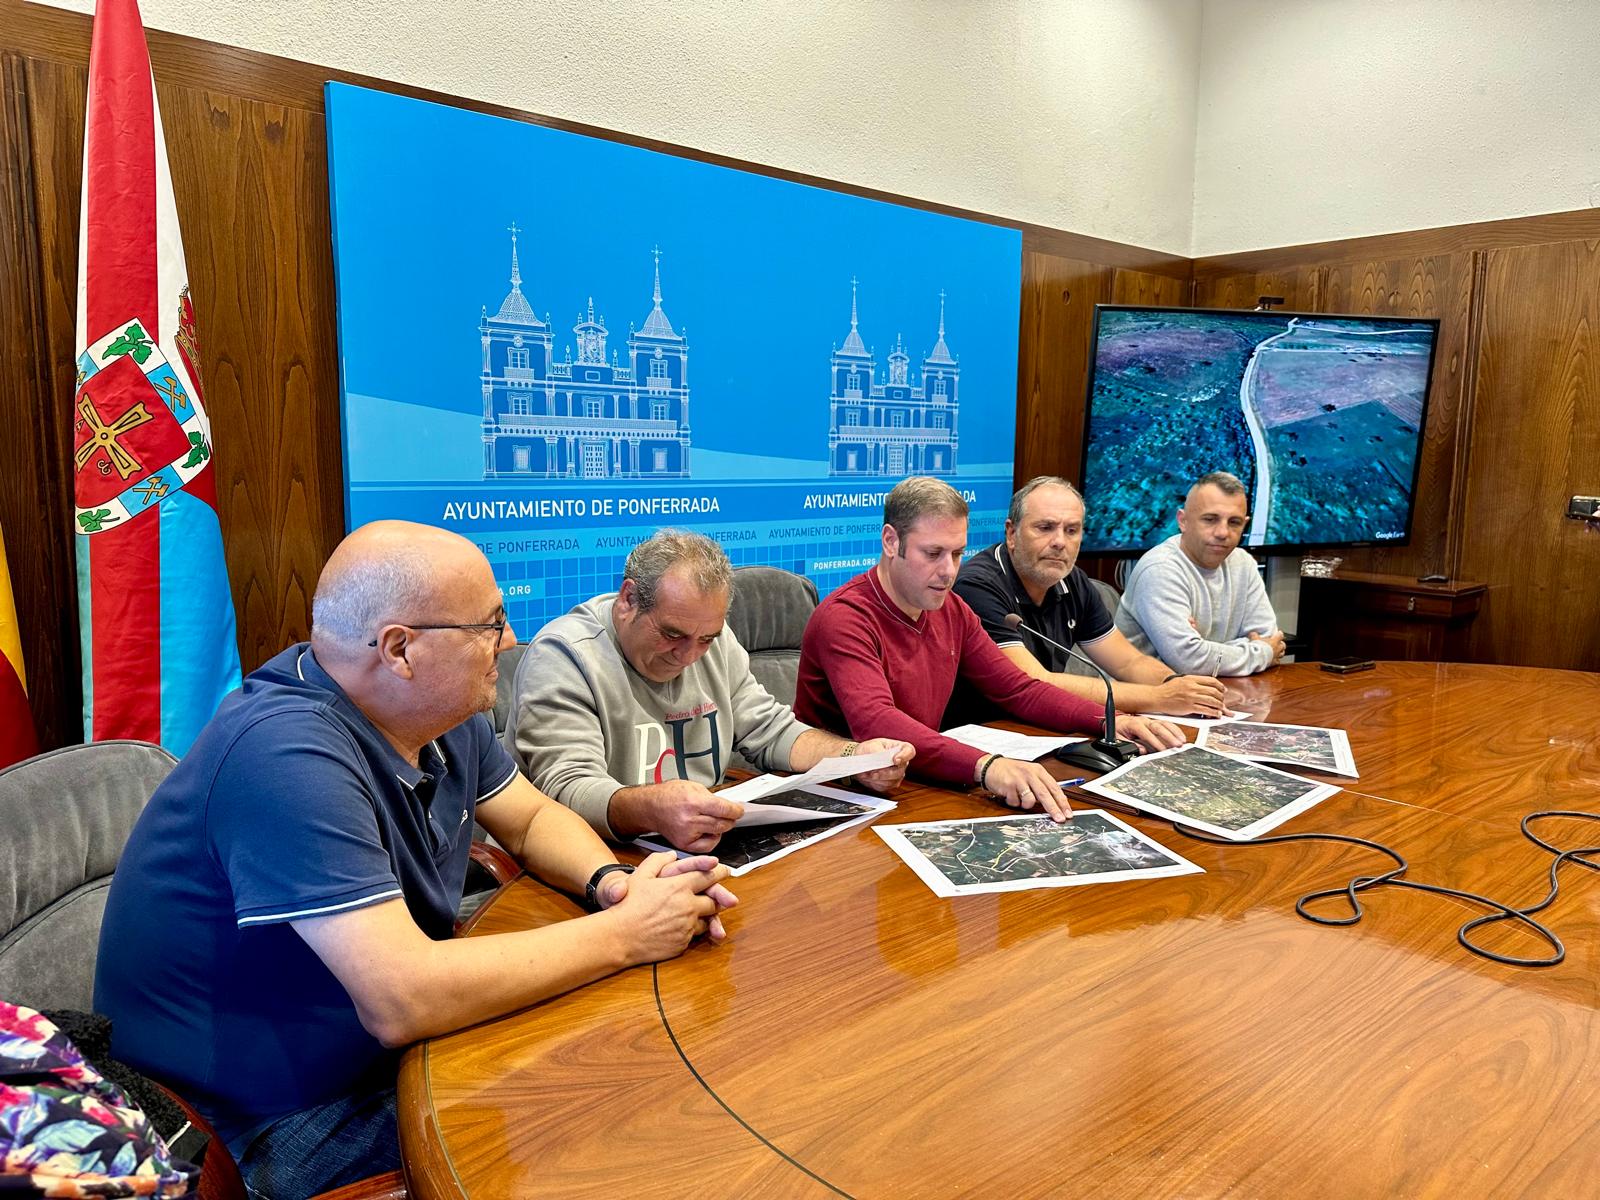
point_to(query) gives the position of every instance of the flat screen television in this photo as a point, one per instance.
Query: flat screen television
(1320, 416)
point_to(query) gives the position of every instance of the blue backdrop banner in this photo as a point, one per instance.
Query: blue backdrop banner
(556, 344)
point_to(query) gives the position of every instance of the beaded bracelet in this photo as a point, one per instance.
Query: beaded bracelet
(983, 775)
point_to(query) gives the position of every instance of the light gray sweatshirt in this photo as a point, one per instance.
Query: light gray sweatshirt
(586, 724)
(1166, 589)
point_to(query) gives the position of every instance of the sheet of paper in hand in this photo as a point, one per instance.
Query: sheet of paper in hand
(829, 768)
(824, 812)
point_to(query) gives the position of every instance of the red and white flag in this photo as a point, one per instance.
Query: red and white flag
(159, 645)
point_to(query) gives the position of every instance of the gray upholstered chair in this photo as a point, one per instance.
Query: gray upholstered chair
(1111, 598)
(67, 815)
(768, 613)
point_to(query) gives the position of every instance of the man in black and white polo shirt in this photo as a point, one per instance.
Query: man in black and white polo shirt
(1034, 575)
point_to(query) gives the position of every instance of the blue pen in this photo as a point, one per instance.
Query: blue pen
(1066, 783)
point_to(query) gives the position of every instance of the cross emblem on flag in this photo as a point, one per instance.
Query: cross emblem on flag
(105, 437)
(159, 644)
(139, 435)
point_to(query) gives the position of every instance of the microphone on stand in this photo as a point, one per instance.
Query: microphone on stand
(1106, 752)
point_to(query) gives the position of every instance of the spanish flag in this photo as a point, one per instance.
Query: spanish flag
(17, 737)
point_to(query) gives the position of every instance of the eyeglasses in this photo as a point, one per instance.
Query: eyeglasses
(499, 628)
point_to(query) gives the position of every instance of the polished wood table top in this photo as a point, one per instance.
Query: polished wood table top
(1176, 1037)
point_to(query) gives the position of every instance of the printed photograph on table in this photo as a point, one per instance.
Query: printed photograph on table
(1312, 746)
(1016, 853)
(555, 344)
(745, 848)
(1230, 797)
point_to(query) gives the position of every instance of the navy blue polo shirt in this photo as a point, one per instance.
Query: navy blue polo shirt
(1072, 610)
(290, 805)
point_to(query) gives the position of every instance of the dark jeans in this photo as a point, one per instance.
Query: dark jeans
(321, 1148)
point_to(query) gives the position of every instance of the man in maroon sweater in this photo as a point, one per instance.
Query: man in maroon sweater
(884, 651)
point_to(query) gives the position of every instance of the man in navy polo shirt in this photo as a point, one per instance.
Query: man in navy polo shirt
(1034, 574)
(280, 922)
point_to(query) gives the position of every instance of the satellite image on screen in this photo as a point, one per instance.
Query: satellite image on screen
(1320, 416)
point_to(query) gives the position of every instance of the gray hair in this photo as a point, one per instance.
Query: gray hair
(1020, 496)
(352, 604)
(919, 496)
(704, 561)
(1226, 483)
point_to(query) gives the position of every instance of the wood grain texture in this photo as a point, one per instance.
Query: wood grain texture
(254, 176)
(1298, 285)
(1377, 616)
(35, 486)
(1433, 286)
(1445, 239)
(1058, 299)
(1141, 287)
(1182, 1037)
(1536, 442)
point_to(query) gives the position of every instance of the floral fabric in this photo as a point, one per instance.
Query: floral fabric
(67, 1131)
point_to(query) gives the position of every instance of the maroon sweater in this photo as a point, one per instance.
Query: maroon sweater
(868, 670)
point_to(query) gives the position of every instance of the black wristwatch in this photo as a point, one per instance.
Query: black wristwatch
(591, 890)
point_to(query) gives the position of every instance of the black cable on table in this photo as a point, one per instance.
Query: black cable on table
(655, 982)
(1394, 878)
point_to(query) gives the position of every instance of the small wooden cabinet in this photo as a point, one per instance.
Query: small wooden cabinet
(1387, 616)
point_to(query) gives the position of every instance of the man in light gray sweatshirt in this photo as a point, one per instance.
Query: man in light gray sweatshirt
(1196, 601)
(628, 707)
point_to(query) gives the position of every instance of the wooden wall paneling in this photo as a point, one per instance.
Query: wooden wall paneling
(1431, 286)
(1141, 287)
(1536, 440)
(1297, 285)
(1455, 522)
(1414, 243)
(251, 179)
(1058, 299)
(35, 485)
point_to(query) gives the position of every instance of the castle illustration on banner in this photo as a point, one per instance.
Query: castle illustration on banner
(592, 418)
(900, 427)
(595, 418)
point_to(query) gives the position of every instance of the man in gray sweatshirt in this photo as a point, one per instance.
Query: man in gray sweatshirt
(628, 707)
(1196, 601)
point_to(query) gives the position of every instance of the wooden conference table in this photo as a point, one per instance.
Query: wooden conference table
(1178, 1037)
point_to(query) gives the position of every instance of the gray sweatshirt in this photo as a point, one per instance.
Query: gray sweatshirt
(1166, 588)
(585, 724)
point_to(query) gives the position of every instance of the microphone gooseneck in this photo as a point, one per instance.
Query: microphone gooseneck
(1107, 744)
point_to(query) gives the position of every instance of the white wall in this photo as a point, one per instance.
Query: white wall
(1077, 116)
(1326, 119)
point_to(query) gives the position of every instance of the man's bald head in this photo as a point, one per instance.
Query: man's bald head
(386, 571)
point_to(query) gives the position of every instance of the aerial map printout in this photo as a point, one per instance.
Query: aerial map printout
(1015, 853)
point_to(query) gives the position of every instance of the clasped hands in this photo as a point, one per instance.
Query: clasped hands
(666, 903)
